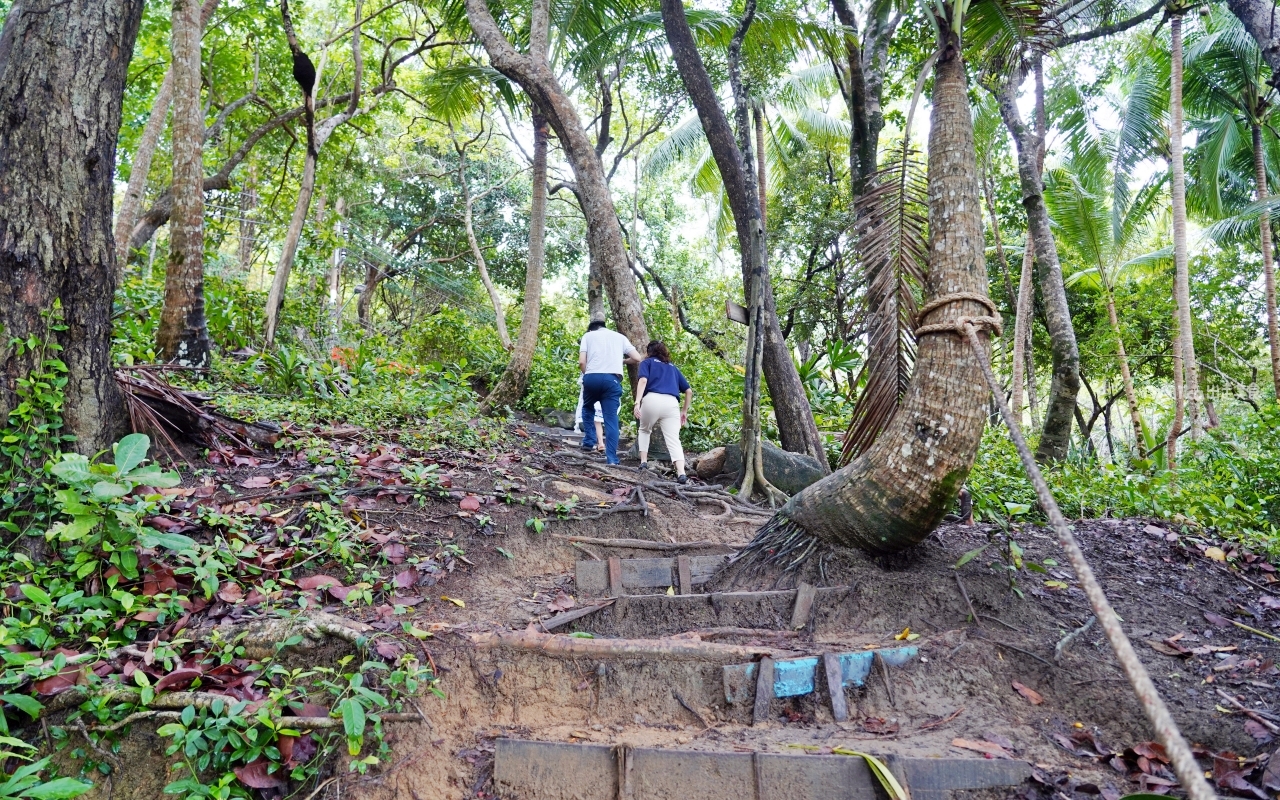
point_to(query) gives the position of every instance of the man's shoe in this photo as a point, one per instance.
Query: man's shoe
(644, 466)
(682, 479)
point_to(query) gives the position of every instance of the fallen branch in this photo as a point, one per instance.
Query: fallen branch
(716, 633)
(644, 544)
(1248, 712)
(976, 619)
(1061, 649)
(558, 646)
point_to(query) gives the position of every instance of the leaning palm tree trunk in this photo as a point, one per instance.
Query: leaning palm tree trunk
(1130, 396)
(893, 495)
(1268, 262)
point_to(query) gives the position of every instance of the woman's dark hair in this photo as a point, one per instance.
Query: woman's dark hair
(658, 350)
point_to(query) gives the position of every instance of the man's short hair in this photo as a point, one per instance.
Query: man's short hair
(596, 324)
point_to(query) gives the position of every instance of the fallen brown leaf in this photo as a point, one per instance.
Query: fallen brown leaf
(1031, 695)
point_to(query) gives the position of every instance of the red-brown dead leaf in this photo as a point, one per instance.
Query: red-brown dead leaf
(61, 682)
(256, 482)
(1152, 750)
(469, 503)
(179, 677)
(1257, 731)
(230, 592)
(285, 743)
(1030, 695)
(395, 552)
(388, 649)
(1164, 648)
(339, 591)
(1217, 619)
(988, 749)
(147, 616)
(561, 602)
(317, 581)
(255, 775)
(403, 580)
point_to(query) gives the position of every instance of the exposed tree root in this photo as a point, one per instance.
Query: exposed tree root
(558, 646)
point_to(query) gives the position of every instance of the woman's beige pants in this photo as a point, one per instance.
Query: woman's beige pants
(661, 410)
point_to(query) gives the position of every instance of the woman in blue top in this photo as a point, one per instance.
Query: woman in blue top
(658, 403)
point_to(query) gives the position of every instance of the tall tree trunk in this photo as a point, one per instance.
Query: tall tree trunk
(1179, 398)
(495, 300)
(891, 497)
(1055, 436)
(608, 252)
(762, 179)
(183, 333)
(248, 225)
(791, 408)
(1190, 370)
(62, 71)
(1130, 396)
(140, 166)
(515, 376)
(1268, 256)
(317, 135)
(373, 276)
(335, 275)
(1024, 362)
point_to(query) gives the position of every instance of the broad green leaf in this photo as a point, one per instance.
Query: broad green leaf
(72, 470)
(24, 702)
(352, 724)
(971, 555)
(36, 595)
(154, 476)
(1015, 551)
(170, 541)
(59, 789)
(109, 490)
(78, 528)
(131, 451)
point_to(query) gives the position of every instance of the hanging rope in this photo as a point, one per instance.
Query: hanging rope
(1166, 730)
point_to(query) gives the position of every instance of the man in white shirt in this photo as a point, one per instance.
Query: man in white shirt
(602, 357)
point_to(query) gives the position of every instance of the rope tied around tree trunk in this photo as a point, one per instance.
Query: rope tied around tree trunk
(1157, 713)
(992, 323)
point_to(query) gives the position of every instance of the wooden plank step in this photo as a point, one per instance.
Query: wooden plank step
(797, 676)
(557, 771)
(592, 577)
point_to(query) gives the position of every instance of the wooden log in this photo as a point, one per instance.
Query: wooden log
(563, 618)
(804, 606)
(560, 646)
(615, 577)
(764, 691)
(645, 544)
(835, 686)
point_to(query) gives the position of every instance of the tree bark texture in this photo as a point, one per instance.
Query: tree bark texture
(62, 72)
(1130, 395)
(1261, 18)
(608, 252)
(1024, 362)
(1055, 436)
(796, 427)
(892, 496)
(183, 333)
(140, 166)
(1268, 256)
(1178, 190)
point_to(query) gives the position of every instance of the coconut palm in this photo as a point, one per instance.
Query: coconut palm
(1232, 104)
(1109, 236)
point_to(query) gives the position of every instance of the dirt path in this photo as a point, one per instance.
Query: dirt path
(492, 552)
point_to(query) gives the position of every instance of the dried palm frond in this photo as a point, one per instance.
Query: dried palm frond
(894, 247)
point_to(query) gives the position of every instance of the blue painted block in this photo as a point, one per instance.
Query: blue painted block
(797, 676)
